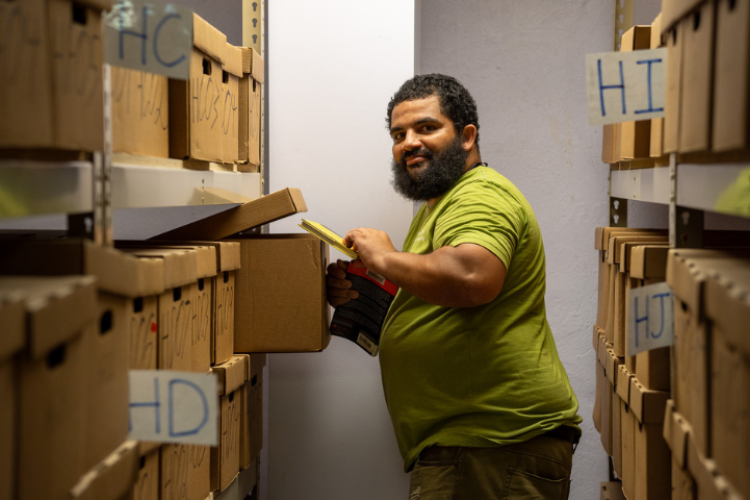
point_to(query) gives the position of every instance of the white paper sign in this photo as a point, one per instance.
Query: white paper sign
(149, 36)
(174, 407)
(626, 86)
(650, 321)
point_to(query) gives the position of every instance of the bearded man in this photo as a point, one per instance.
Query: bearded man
(480, 403)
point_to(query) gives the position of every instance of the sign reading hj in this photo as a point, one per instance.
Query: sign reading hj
(149, 36)
(626, 86)
(173, 407)
(650, 318)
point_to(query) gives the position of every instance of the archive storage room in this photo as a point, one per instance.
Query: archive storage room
(257, 249)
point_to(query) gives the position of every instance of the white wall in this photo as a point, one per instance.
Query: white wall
(333, 65)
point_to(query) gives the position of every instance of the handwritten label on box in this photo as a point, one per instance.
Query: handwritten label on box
(650, 321)
(173, 407)
(626, 86)
(149, 36)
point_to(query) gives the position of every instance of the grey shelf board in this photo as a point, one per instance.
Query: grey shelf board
(648, 184)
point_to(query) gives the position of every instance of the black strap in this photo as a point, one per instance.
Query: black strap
(477, 164)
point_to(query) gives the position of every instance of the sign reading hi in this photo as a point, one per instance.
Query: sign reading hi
(149, 36)
(650, 321)
(626, 86)
(173, 407)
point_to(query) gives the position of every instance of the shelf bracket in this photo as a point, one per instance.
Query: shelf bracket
(685, 224)
(618, 212)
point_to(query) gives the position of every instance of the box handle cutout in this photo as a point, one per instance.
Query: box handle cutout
(683, 306)
(79, 14)
(224, 77)
(142, 464)
(231, 396)
(254, 82)
(201, 284)
(254, 380)
(732, 4)
(56, 356)
(206, 67)
(105, 323)
(176, 293)
(226, 276)
(696, 20)
(138, 305)
(674, 36)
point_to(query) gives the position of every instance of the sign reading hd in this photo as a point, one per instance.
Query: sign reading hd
(149, 36)
(626, 86)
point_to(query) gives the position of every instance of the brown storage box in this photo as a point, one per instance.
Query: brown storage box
(652, 456)
(683, 485)
(140, 113)
(250, 111)
(635, 136)
(674, 11)
(199, 472)
(675, 48)
(222, 333)
(697, 80)
(60, 312)
(628, 426)
(144, 331)
(12, 326)
(203, 111)
(656, 144)
(604, 401)
(112, 478)
(731, 70)
(146, 486)
(609, 136)
(251, 429)
(225, 459)
(279, 272)
(174, 472)
(54, 98)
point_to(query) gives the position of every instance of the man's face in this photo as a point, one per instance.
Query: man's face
(428, 155)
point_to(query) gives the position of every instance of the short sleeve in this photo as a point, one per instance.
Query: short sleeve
(484, 214)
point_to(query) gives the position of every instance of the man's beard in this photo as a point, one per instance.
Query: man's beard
(444, 169)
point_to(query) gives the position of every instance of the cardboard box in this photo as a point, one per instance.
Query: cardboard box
(250, 111)
(676, 433)
(656, 144)
(673, 99)
(674, 11)
(278, 272)
(203, 111)
(222, 333)
(608, 143)
(611, 490)
(600, 378)
(174, 472)
(731, 130)
(652, 456)
(146, 486)
(628, 426)
(683, 485)
(59, 313)
(709, 481)
(647, 405)
(225, 459)
(251, 429)
(140, 113)
(604, 397)
(254, 213)
(697, 80)
(12, 326)
(199, 472)
(634, 141)
(112, 478)
(652, 369)
(143, 332)
(616, 431)
(55, 98)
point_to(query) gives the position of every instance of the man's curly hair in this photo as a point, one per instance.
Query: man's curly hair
(455, 101)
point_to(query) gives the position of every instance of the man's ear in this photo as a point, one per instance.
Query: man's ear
(469, 137)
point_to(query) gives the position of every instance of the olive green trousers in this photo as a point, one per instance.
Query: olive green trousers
(536, 469)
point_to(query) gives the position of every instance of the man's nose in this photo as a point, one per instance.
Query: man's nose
(412, 141)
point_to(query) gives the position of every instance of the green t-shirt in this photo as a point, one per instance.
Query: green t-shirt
(480, 376)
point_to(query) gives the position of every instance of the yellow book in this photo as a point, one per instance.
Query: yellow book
(329, 237)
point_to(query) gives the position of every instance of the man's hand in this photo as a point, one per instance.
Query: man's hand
(372, 246)
(338, 286)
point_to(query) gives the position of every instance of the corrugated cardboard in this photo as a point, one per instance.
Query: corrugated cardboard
(697, 79)
(653, 475)
(225, 459)
(199, 472)
(674, 11)
(726, 300)
(676, 433)
(597, 413)
(253, 64)
(647, 405)
(628, 426)
(143, 332)
(8, 429)
(255, 213)
(146, 486)
(708, 479)
(623, 383)
(55, 98)
(634, 141)
(140, 113)
(731, 71)
(174, 472)
(606, 411)
(608, 144)
(612, 366)
(616, 431)
(683, 485)
(112, 478)
(656, 143)
(250, 109)
(203, 119)
(251, 429)
(280, 272)
(648, 261)
(652, 369)
(675, 48)
(611, 490)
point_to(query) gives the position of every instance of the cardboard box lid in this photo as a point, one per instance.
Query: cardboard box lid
(676, 432)
(112, 478)
(614, 252)
(613, 363)
(656, 32)
(623, 383)
(227, 252)
(117, 272)
(727, 300)
(647, 405)
(603, 234)
(601, 352)
(56, 308)
(206, 255)
(231, 374)
(255, 213)
(12, 323)
(648, 261)
(232, 61)
(625, 253)
(209, 39)
(180, 265)
(252, 64)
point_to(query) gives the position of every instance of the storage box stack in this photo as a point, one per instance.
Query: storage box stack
(53, 96)
(706, 424)
(250, 110)
(203, 111)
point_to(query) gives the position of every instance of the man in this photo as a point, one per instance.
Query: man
(480, 402)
